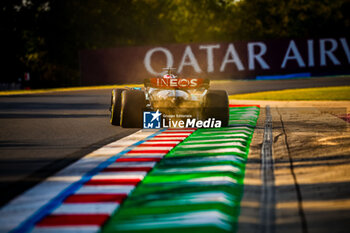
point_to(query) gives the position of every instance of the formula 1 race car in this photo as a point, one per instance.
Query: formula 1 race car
(172, 96)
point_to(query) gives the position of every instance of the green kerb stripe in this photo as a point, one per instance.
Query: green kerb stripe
(197, 187)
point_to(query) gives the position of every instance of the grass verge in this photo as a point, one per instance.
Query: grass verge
(320, 93)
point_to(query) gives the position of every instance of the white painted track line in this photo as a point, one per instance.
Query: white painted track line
(24, 206)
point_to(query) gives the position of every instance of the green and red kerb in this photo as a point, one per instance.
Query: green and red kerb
(187, 180)
(197, 186)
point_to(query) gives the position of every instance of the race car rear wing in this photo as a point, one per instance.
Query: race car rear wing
(177, 83)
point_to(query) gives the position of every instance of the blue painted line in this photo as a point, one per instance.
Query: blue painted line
(29, 224)
(285, 76)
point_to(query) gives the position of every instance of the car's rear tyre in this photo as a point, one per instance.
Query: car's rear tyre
(216, 105)
(133, 103)
(115, 107)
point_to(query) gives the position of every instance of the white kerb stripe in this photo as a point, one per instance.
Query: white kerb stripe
(67, 229)
(119, 175)
(132, 164)
(131, 173)
(86, 208)
(175, 134)
(168, 138)
(173, 139)
(142, 155)
(105, 189)
(163, 142)
(152, 148)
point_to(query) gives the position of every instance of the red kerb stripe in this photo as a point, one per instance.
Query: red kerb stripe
(73, 220)
(127, 169)
(160, 145)
(165, 140)
(182, 132)
(167, 136)
(92, 198)
(113, 182)
(148, 151)
(138, 159)
(243, 105)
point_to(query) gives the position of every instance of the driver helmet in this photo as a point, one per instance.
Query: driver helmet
(169, 76)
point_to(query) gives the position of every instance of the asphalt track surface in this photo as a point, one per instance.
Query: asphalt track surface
(42, 133)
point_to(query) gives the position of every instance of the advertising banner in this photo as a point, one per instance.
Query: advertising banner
(236, 60)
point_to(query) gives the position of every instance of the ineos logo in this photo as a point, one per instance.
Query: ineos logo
(176, 82)
(187, 82)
